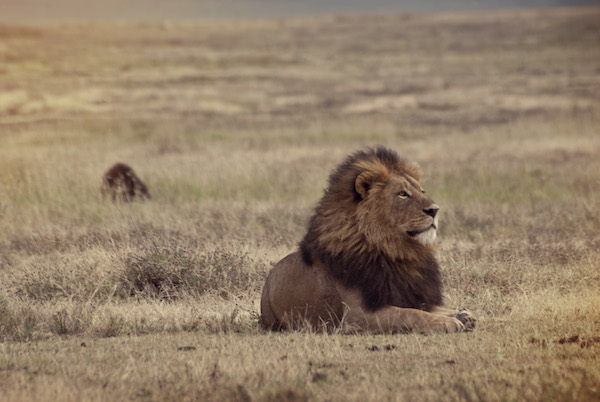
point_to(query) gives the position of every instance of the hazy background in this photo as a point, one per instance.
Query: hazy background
(234, 127)
(152, 10)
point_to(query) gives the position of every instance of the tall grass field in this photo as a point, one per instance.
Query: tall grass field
(235, 127)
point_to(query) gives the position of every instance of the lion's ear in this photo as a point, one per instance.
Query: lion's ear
(362, 185)
(372, 174)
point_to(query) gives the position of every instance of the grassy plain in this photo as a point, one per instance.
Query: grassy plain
(235, 127)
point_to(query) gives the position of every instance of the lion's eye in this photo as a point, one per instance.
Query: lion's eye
(403, 194)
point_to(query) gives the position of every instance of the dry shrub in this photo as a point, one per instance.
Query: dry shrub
(72, 277)
(171, 272)
(111, 326)
(17, 322)
(288, 393)
(73, 318)
(233, 322)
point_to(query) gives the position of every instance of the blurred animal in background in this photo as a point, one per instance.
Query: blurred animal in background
(122, 184)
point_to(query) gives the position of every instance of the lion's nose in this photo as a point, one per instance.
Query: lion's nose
(432, 210)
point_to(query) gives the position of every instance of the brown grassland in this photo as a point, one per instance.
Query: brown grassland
(235, 127)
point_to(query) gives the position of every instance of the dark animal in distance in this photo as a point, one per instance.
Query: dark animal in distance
(122, 184)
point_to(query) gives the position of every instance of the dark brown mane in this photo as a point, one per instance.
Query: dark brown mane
(390, 270)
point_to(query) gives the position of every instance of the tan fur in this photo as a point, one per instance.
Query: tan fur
(373, 217)
(121, 183)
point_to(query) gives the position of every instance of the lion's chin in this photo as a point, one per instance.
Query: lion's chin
(426, 237)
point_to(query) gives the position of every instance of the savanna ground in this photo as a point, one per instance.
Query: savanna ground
(235, 127)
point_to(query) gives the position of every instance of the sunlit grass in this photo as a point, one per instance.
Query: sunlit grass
(235, 129)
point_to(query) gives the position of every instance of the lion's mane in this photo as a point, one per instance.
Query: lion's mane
(389, 268)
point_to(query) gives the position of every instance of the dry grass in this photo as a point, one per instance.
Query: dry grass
(235, 128)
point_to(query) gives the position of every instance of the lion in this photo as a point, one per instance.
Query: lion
(366, 263)
(121, 183)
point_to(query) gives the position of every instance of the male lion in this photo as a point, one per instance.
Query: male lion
(121, 182)
(367, 262)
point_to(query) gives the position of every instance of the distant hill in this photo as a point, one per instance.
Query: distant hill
(157, 10)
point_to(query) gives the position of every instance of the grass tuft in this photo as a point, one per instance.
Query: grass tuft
(171, 272)
(17, 322)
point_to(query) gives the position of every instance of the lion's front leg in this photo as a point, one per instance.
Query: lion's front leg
(463, 315)
(394, 319)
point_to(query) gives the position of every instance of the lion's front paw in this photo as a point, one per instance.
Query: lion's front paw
(441, 323)
(454, 325)
(467, 318)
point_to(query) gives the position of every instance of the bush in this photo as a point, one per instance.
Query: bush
(17, 323)
(170, 272)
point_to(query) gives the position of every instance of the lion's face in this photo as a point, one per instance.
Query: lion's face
(412, 212)
(402, 205)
